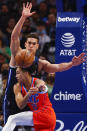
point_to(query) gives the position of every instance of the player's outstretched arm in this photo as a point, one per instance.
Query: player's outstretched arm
(15, 42)
(25, 14)
(50, 68)
(77, 60)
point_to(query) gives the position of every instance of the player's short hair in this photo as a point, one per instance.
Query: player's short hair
(33, 35)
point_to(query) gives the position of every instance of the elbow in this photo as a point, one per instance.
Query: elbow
(20, 106)
(13, 36)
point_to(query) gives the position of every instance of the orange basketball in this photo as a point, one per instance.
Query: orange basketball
(24, 58)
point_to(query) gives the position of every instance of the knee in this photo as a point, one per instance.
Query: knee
(11, 118)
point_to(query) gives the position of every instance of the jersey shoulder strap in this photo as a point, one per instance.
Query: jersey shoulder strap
(33, 81)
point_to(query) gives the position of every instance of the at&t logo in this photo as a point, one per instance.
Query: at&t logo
(68, 40)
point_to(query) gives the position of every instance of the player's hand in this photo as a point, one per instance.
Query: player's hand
(77, 60)
(33, 90)
(27, 10)
(41, 87)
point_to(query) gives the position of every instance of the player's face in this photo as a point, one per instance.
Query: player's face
(32, 44)
(20, 75)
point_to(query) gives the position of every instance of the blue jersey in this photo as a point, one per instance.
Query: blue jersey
(9, 105)
(33, 69)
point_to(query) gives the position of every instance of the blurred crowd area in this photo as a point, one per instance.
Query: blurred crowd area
(43, 22)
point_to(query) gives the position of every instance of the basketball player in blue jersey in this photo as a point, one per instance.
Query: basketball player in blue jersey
(10, 107)
(31, 44)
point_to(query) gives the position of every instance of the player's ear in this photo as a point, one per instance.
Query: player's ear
(37, 46)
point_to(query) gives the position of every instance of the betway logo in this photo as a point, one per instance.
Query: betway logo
(67, 96)
(69, 19)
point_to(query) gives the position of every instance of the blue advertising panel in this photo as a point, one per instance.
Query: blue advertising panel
(71, 122)
(68, 94)
(84, 49)
(66, 20)
(59, 5)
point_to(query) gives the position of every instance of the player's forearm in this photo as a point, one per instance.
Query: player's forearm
(65, 66)
(24, 101)
(51, 68)
(17, 29)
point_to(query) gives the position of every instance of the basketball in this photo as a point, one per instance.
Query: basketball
(24, 58)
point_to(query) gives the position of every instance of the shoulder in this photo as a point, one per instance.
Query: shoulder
(41, 61)
(42, 64)
(39, 81)
(17, 88)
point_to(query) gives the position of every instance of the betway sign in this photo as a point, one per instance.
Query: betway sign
(69, 19)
